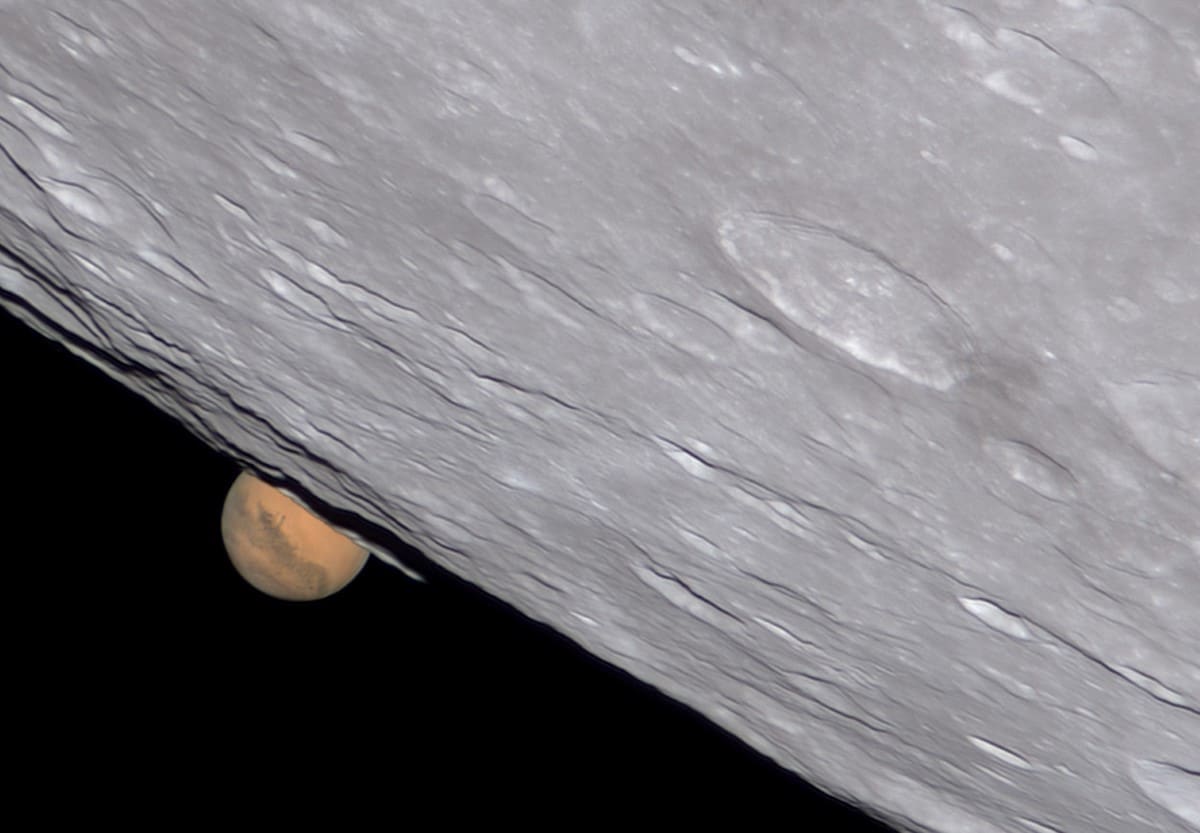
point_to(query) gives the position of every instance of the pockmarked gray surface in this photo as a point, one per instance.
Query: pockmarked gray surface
(834, 367)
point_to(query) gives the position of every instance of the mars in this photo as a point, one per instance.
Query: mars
(281, 548)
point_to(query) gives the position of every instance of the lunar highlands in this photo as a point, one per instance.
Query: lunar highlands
(281, 548)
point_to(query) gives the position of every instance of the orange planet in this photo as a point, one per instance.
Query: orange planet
(283, 549)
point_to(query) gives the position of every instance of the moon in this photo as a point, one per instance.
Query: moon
(281, 548)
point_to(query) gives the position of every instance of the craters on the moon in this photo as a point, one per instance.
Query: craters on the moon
(1163, 413)
(852, 296)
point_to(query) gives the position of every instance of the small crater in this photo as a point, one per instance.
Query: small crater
(787, 636)
(679, 594)
(313, 146)
(325, 233)
(680, 326)
(1078, 149)
(996, 617)
(1150, 685)
(501, 210)
(1001, 754)
(687, 461)
(40, 118)
(233, 208)
(78, 200)
(1174, 788)
(687, 56)
(1015, 86)
(1164, 415)
(1034, 468)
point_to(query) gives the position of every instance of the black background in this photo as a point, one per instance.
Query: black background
(143, 665)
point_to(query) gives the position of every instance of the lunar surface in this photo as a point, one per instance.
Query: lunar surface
(830, 367)
(283, 549)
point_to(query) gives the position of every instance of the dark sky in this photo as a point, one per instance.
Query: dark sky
(138, 638)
